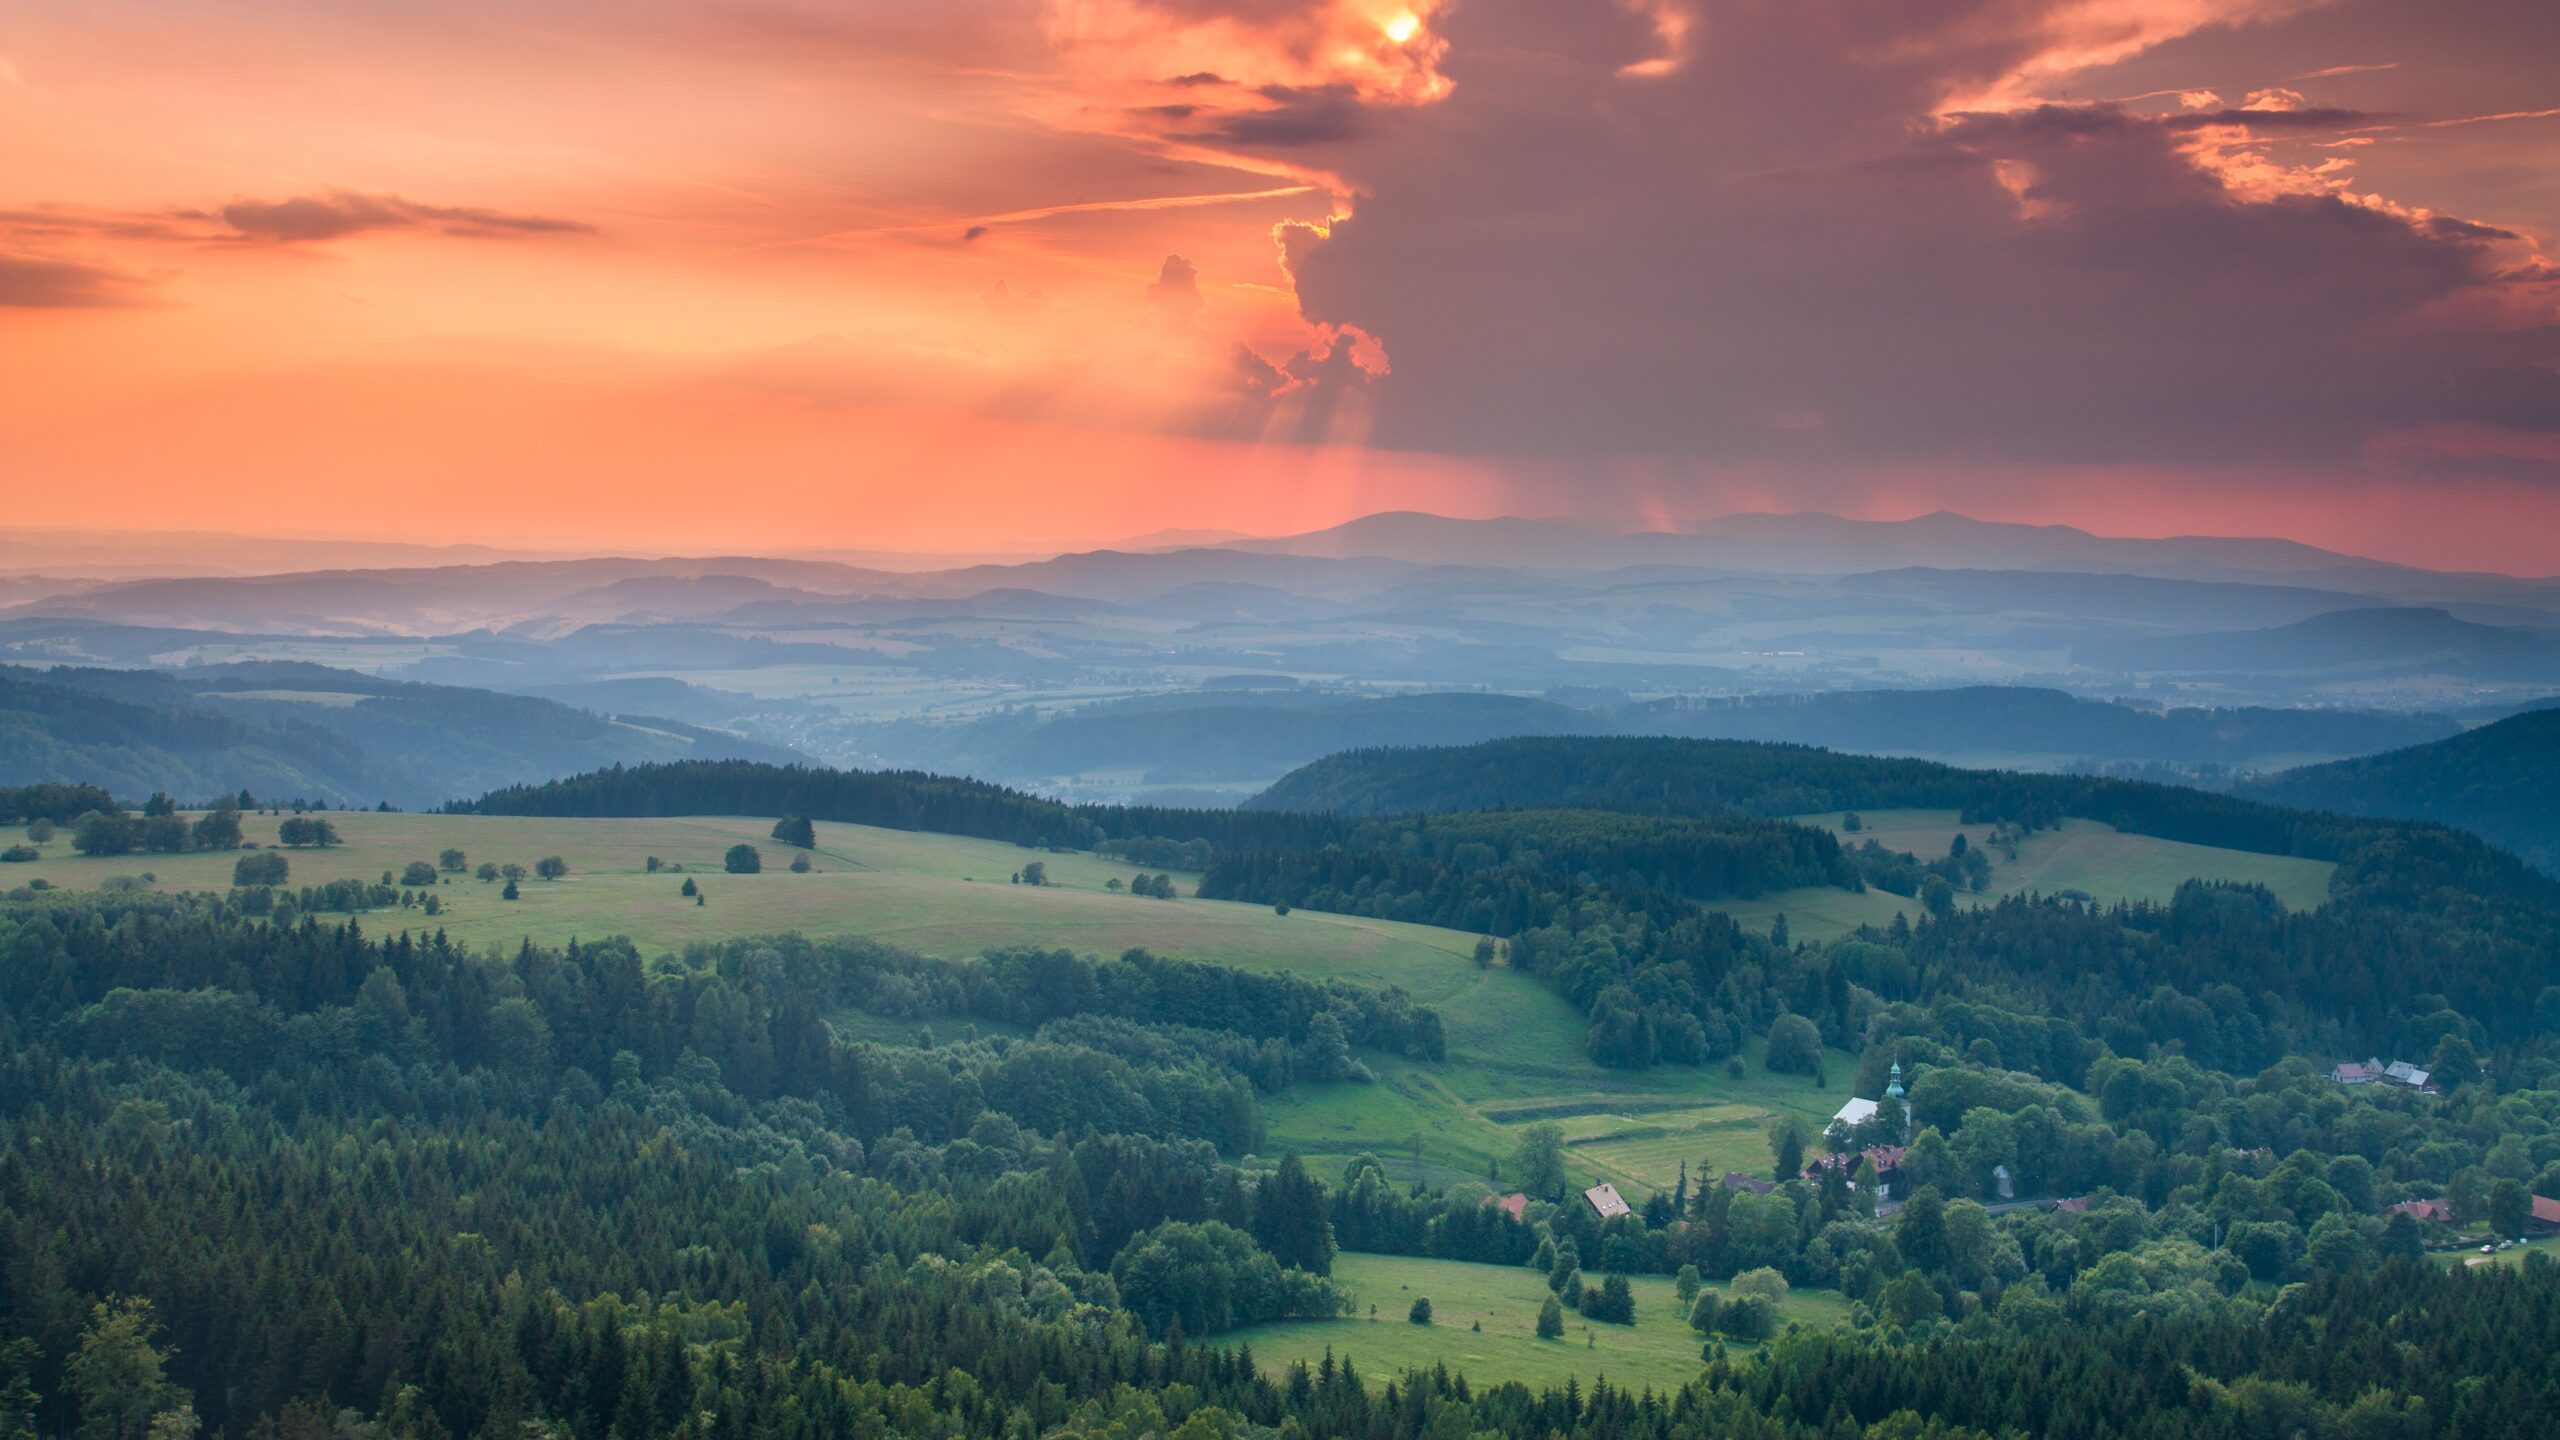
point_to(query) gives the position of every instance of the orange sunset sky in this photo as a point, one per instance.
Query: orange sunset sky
(985, 273)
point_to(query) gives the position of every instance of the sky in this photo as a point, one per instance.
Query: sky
(973, 274)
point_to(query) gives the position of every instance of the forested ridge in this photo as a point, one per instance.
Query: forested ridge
(295, 1182)
(1712, 777)
(2501, 781)
(894, 799)
(1613, 902)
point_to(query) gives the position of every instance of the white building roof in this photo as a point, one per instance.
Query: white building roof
(1605, 1198)
(1855, 1113)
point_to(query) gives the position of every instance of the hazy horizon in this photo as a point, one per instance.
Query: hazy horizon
(156, 552)
(1019, 275)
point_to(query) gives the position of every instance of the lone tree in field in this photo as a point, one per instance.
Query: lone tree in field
(743, 859)
(450, 859)
(1551, 1320)
(418, 872)
(550, 867)
(260, 867)
(1538, 1165)
(1036, 873)
(1795, 1045)
(796, 831)
(511, 892)
(1613, 1304)
(1420, 1314)
(800, 865)
(690, 889)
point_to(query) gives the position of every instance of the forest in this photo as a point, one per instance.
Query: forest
(295, 1182)
(784, 1186)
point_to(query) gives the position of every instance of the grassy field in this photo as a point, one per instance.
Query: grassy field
(1516, 1046)
(2082, 855)
(1659, 1350)
(940, 894)
(1456, 1120)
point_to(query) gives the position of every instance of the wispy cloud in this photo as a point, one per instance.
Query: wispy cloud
(38, 282)
(2501, 115)
(335, 214)
(976, 226)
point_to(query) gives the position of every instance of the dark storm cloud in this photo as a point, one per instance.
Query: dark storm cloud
(1778, 251)
(1299, 116)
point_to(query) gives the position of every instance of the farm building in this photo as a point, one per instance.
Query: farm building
(1604, 1198)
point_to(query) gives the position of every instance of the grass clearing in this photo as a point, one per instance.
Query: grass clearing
(940, 894)
(2095, 859)
(1516, 1047)
(1659, 1351)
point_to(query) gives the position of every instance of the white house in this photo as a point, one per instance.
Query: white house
(1851, 1115)
(1605, 1198)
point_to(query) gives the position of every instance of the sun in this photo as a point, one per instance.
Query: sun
(1402, 27)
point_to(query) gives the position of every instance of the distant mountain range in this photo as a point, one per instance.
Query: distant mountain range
(1832, 545)
(293, 730)
(1223, 736)
(2387, 641)
(1399, 603)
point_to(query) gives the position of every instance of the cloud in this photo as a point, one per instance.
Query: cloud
(1787, 252)
(42, 283)
(335, 214)
(1298, 116)
(1175, 292)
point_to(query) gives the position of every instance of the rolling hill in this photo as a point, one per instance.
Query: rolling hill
(2378, 641)
(311, 731)
(2501, 782)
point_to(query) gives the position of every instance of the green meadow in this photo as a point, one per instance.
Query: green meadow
(2095, 859)
(1659, 1351)
(1515, 1046)
(1516, 1051)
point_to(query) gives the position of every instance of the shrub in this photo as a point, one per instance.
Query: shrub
(452, 860)
(1704, 1312)
(1614, 1303)
(511, 892)
(800, 865)
(795, 830)
(1764, 1283)
(1795, 1045)
(19, 854)
(743, 859)
(417, 872)
(690, 890)
(1748, 1317)
(1420, 1314)
(550, 867)
(1550, 1319)
(259, 867)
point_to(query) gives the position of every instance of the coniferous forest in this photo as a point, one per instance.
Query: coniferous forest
(262, 1173)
